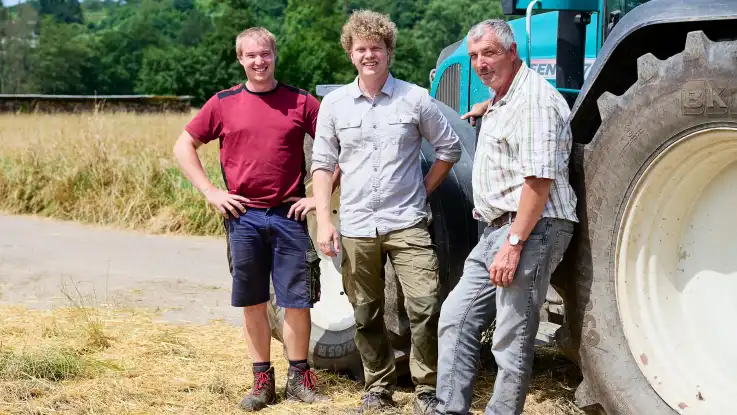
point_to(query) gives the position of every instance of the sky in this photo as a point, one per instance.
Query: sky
(8, 3)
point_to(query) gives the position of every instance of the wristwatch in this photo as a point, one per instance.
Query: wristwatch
(515, 240)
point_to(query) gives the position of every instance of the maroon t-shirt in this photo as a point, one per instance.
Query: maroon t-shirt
(261, 140)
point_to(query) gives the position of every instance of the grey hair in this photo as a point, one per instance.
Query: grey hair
(499, 27)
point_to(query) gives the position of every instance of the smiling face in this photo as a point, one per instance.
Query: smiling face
(258, 59)
(494, 65)
(370, 57)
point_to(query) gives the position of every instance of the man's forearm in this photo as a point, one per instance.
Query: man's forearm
(438, 172)
(336, 178)
(321, 189)
(185, 151)
(531, 205)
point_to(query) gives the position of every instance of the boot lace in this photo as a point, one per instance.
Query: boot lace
(309, 380)
(260, 382)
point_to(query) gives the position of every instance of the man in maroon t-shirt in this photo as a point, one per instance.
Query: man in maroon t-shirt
(260, 126)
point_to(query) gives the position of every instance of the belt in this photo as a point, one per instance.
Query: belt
(505, 219)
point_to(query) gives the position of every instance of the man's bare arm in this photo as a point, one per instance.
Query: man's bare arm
(438, 172)
(532, 202)
(185, 151)
(336, 178)
(327, 236)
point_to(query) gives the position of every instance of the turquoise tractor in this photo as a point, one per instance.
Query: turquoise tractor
(652, 87)
(643, 301)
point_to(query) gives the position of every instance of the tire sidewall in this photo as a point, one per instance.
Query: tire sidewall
(331, 350)
(655, 116)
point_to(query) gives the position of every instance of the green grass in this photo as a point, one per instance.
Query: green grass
(48, 364)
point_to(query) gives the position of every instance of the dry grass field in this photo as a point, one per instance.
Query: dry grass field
(102, 361)
(118, 171)
(108, 169)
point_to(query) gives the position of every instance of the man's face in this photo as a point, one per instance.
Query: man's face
(370, 57)
(493, 65)
(257, 58)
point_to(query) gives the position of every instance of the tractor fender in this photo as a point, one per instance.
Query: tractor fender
(658, 27)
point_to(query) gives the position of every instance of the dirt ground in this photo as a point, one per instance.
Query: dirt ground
(106, 321)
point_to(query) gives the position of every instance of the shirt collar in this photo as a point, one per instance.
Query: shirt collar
(519, 77)
(387, 89)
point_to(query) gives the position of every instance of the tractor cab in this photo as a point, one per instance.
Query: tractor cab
(578, 28)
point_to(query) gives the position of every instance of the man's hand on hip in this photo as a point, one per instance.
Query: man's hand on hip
(225, 202)
(505, 265)
(328, 239)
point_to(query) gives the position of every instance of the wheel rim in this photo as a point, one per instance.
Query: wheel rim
(676, 272)
(333, 312)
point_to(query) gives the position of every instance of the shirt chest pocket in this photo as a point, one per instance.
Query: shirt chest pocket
(349, 132)
(400, 127)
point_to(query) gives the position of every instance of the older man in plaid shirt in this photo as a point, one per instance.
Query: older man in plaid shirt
(521, 191)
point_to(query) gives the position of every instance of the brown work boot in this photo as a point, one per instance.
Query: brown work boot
(424, 403)
(302, 386)
(263, 392)
(375, 403)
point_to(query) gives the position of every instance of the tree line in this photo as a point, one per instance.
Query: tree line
(187, 47)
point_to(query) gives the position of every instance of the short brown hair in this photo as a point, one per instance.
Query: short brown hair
(259, 33)
(369, 25)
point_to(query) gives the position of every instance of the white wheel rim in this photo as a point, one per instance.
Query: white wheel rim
(676, 272)
(333, 312)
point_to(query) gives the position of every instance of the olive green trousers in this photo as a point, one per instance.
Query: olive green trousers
(414, 260)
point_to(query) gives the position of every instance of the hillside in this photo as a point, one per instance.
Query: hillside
(185, 47)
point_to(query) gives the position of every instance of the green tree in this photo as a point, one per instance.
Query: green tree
(309, 48)
(16, 44)
(188, 46)
(446, 22)
(62, 60)
(268, 14)
(63, 11)
(194, 28)
(174, 71)
(202, 70)
(123, 40)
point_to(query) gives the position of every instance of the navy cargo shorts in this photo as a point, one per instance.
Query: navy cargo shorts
(264, 245)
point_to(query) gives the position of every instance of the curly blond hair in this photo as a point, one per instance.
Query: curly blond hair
(369, 25)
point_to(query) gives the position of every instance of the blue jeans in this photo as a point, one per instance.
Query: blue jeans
(474, 303)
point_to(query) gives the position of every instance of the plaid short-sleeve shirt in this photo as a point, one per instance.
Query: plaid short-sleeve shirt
(524, 134)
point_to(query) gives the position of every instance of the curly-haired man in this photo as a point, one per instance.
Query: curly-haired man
(373, 129)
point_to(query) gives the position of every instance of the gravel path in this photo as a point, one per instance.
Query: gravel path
(186, 277)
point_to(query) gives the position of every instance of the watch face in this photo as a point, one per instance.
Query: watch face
(514, 239)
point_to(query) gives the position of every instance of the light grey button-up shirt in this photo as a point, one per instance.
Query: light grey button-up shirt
(377, 145)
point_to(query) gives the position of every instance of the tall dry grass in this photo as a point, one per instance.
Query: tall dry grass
(108, 169)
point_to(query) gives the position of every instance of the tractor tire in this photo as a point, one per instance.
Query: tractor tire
(454, 233)
(656, 244)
